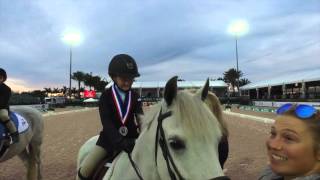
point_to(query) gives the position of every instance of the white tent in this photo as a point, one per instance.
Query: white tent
(90, 100)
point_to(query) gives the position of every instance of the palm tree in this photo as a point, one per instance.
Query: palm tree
(73, 90)
(95, 81)
(101, 85)
(244, 81)
(47, 90)
(80, 77)
(231, 76)
(56, 90)
(39, 94)
(89, 80)
(64, 90)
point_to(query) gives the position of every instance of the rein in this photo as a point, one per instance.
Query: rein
(135, 167)
(160, 137)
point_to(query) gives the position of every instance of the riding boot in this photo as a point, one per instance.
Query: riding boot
(81, 177)
(13, 133)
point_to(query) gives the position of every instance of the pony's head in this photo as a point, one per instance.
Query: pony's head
(185, 134)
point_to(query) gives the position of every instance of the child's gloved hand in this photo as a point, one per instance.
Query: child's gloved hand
(128, 144)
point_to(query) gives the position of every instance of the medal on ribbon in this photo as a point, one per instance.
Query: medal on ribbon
(123, 130)
(123, 116)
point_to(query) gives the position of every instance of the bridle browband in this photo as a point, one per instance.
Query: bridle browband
(171, 166)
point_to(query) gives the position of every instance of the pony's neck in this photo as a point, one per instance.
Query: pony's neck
(143, 156)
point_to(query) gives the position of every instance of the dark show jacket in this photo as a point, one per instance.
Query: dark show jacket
(110, 137)
(5, 94)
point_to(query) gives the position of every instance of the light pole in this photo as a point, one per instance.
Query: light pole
(71, 39)
(237, 29)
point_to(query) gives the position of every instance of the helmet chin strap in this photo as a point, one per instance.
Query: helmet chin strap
(125, 91)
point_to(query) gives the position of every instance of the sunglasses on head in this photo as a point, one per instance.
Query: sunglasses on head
(302, 111)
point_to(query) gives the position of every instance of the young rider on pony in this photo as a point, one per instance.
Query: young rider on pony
(5, 94)
(119, 108)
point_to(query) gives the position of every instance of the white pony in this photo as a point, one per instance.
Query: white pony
(28, 148)
(179, 140)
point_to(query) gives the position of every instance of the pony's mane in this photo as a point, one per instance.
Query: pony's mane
(192, 114)
(215, 106)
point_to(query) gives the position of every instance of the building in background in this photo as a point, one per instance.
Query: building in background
(294, 87)
(153, 90)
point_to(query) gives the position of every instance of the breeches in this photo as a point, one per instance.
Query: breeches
(91, 161)
(4, 115)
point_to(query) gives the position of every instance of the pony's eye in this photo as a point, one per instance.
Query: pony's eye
(177, 144)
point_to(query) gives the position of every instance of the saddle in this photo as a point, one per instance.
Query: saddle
(21, 125)
(19, 121)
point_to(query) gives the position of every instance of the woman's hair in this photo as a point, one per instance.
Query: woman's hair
(313, 123)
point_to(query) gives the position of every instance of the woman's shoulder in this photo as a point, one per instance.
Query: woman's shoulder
(310, 177)
(268, 174)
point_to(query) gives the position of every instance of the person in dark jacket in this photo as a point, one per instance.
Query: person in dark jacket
(120, 110)
(5, 94)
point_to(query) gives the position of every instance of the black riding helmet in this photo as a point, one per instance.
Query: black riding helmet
(3, 74)
(123, 65)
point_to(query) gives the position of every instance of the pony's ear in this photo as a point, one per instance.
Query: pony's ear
(170, 90)
(204, 91)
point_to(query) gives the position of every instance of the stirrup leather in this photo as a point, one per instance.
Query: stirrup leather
(6, 121)
(14, 137)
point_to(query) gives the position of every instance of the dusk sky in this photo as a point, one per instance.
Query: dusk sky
(188, 38)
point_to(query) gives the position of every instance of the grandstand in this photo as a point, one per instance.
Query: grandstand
(297, 87)
(154, 89)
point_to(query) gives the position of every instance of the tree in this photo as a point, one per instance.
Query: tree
(244, 81)
(73, 90)
(47, 90)
(56, 90)
(39, 94)
(80, 77)
(88, 80)
(101, 85)
(96, 82)
(231, 76)
(64, 90)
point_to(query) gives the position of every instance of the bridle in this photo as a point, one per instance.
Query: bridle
(171, 166)
(160, 137)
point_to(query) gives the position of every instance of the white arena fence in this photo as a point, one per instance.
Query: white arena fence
(40, 107)
(250, 117)
(280, 103)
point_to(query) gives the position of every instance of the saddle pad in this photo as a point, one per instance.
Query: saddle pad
(19, 121)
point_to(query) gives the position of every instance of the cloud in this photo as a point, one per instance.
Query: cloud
(19, 85)
(183, 37)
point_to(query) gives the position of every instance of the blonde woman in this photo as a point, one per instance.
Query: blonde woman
(294, 144)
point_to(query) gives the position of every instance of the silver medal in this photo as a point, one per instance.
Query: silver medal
(123, 130)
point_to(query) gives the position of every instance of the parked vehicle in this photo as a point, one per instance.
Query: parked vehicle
(55, 101)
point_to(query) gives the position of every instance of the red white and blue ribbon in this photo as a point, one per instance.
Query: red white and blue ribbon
(123, 117)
